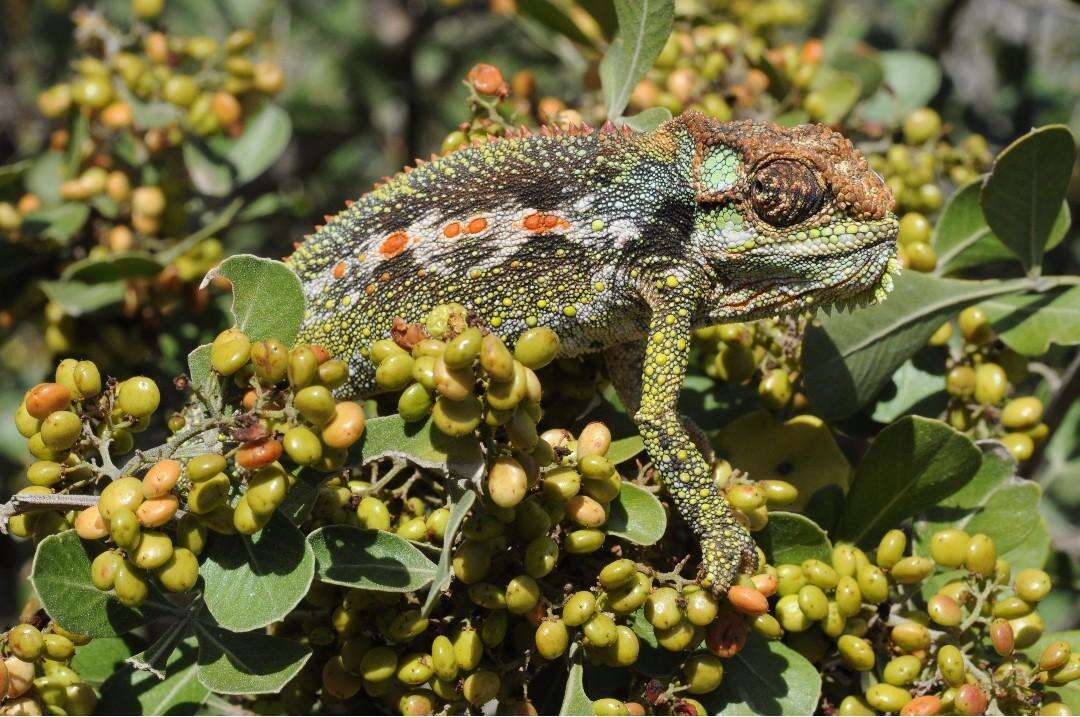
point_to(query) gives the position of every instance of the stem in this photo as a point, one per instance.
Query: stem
(976, 610)
(27, 502)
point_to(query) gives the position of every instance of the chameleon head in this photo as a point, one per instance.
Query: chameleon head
(788, 218)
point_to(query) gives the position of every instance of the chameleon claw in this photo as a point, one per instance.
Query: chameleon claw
(723, 559)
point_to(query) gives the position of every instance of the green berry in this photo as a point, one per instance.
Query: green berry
(536, 347)
(26, 642)
(230, 351)
(551, 638)
(138, 396)
(856, 652)
(180, 572)
(703, 673)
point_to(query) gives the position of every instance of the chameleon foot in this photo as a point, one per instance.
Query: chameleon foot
(724, 555)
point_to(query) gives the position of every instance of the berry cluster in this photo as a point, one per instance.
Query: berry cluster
(68, 424)
(982, 373)
(438, 364)
(35, 646)
(916, 172)
(766, 351)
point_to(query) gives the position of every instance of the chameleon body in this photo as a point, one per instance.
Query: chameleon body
(618, 241)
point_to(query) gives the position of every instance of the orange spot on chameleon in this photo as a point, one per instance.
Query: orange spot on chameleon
(339, 270)
(543, 222)
(394, 244)
(477, 225)
(451, 230)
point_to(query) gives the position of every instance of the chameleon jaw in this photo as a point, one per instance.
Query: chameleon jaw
(869, 282)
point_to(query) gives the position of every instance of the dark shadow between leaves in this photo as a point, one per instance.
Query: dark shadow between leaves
(754, 677)
(1022, 314)
(244, 648)
(618, 520)
(825, 506)
(120, 693)
(391, 572)
(268, 552)
(829, 384)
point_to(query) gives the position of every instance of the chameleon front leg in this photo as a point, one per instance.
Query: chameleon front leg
(726, 547)
(624, 363)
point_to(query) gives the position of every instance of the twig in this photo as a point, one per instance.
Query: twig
(26, 502)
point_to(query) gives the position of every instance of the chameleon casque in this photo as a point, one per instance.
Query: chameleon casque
(621, 242)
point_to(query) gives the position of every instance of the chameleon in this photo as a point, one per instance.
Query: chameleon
(621, 242)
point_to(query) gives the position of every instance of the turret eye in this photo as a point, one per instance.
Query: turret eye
(785, 192)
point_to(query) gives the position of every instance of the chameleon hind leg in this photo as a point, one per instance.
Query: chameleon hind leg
(726, 547)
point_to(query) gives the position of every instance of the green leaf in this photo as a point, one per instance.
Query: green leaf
(59, 223)
(459, 508)
(78, 136)
(268, 301)
(78, 298)
(60, 576)
(910, 80)
(105, 206)
(575, 701)
(912, 463)
(918, 390)
(647, 120)
(792, 118)
(129, 691)
(265, 137)
(97, 660)
(208, 167)
(840, 90)
(1022, 196)
(369, 559)
(644, 26)
(1029, 323)
(149, 114)
(793, 538)
(44, 176)
(1059, 470)
(962, 237)
(251, 581)
(861, 62)
(554, 18)
(250, 663)
(114, 267)
(850, 356)
(626, 442)
(421, 444)
(996, 503)
(636, 515)
(766, 678)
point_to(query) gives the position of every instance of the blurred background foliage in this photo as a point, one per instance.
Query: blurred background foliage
(368, 85)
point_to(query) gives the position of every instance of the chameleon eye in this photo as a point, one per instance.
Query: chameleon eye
(785, 192)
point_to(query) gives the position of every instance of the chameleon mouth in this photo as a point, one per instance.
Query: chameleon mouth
(858, 276)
